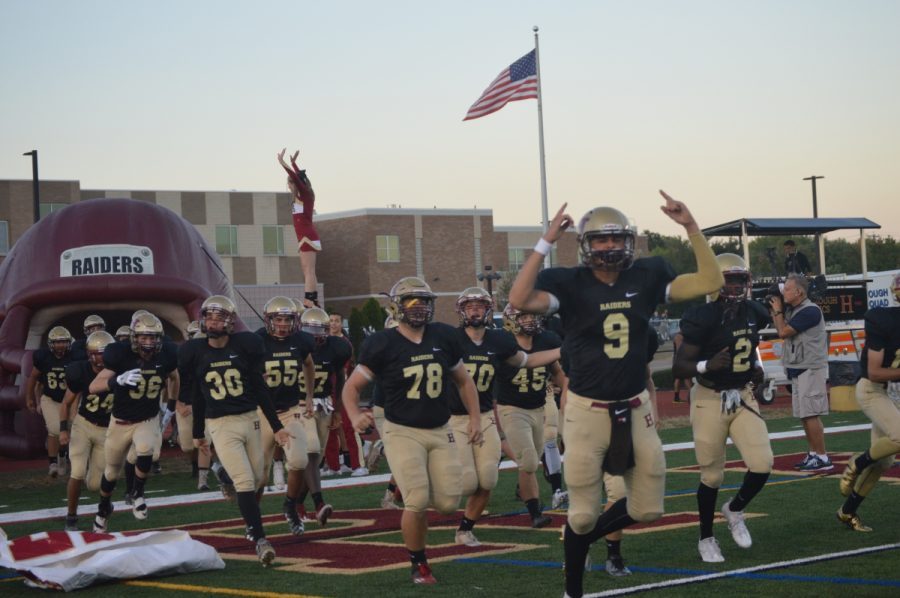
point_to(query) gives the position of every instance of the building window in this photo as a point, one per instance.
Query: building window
(387, 248)
(226, 240)
(48, 208)
(517, 257)
(4, 237)
(273, 240)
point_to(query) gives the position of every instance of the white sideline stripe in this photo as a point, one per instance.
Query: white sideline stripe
(710, 576)
(184, 499)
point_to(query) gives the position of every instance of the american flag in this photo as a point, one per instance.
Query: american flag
(516, 82)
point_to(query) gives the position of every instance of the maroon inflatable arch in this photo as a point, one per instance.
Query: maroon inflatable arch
(104, 256)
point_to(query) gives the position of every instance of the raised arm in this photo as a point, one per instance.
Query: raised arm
(523, 295)
(708, 277)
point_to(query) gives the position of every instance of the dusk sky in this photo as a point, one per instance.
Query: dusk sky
(726, 105)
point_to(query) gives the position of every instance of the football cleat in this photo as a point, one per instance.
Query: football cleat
(541, 521)
(71, 523)
(710, 551)
(848, 478)
(63, 467)
(265, 552)
(157, 467)
(421, 574)
(615, 566)
(101, 520)
(278, 475)
(737, 526)
(560, 498)
(323, 513)
(388, 502)
(139, 508)
(53, 471)
(374, 456)
(852, 521)
(466, 538)
(292, 518)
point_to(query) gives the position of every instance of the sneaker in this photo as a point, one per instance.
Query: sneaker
(359, 472)
(157, 467)
(852, 521)
(737, 526)
(615, 566)
(344, 469)
(710, 551)
(802, 464)
(467, 538)
(292, 518)
(53, 471)
(374, 456)
(139, 508)
(328, 472)
(71, 523)
(817, 464)
(101, 520)
(560, 498)
(129, 499)
(848, 478)
(421, 574)
(265, 552)
(278, 475)
(202, 486)
(388, 502)
(323, 513)
(541, 521)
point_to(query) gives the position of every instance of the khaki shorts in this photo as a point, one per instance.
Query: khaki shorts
(809, 395)
(144, 436)
(185, 431)
(239, 446)
(479, 462)
(712, 428)
(316, 429)
(425, 463)
(86, 452)
(295, 452)
(878, 407)
(50, 411)
(524, 429)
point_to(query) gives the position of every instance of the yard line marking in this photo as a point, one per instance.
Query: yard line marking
(213, 590)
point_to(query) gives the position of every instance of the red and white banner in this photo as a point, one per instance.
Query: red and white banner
(72, 560)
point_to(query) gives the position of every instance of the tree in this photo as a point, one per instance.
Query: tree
(357, 323)
(374, 314)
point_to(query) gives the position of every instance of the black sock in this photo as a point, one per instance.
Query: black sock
(466, 524)
(129, 477)
(613, 520)
(863, 461)
(139, 486)
(289, 503)
(250, 512)
(575, 547)
(555, 480)
(677, 396)
(613, 548)
(534, 507)
(392, 487)
(345, 458)
(63, 452)
(753, 483)
(317, 499)
(706, 505)
(312, 296)
(417, 556)
(852, 503)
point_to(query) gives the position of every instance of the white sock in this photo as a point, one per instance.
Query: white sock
(552, 458)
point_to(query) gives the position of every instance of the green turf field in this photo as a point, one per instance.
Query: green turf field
(360, 552)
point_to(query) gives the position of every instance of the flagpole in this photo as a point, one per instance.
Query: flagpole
(544, 212)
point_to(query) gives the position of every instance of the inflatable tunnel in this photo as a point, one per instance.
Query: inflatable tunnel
(100, 256)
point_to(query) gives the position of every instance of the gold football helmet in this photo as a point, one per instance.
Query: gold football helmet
(223, 307)
(284, 307)
(193, 329)
(95, 344)
(136, 314)
(59, 339)
(479, 295)
(390, 322)
(519, 322)
(315, 321)
(738, 280)
(123, 333)
(412, 302)
(146, 325)
(93, 323)
(606, 222)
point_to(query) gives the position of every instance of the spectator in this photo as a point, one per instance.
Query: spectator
(795, 261)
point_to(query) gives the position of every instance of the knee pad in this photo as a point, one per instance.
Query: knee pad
(144, 463)
(446, 504)
(469, 482)
(488, 476)
(528, 462)
(581, 523)
(92, 483)
(711, 478)
(416, 500)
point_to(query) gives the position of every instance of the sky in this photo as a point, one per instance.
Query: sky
(726, 105)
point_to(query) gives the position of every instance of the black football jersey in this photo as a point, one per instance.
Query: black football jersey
(283, 365)
(526, 387)
(96, 408)
(606, 325)
(715, 326)
(652, 348)
(330, 357)
(882, 334)
(139, 402)
(414, 377)
(481, 361)
(79, 349)
(53, 372)
(377, 396)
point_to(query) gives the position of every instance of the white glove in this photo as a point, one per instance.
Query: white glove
(324, 405)
(731, 400)
(129, 378)
(166, 418)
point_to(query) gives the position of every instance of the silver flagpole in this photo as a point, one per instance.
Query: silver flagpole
(544, 213)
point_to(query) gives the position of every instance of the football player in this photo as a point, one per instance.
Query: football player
(288, 360)
(227, 368)
(521, 397)
(880, 369)
(92, 323)
(415, 364)
(719, 351)
(123, 333)
(88, 427)
(605, 305)
(136, 373)
(485, 351)
(330, 355)
(49, 370)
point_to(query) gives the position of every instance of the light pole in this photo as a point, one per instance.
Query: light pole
(489, 276)
(819, 250)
